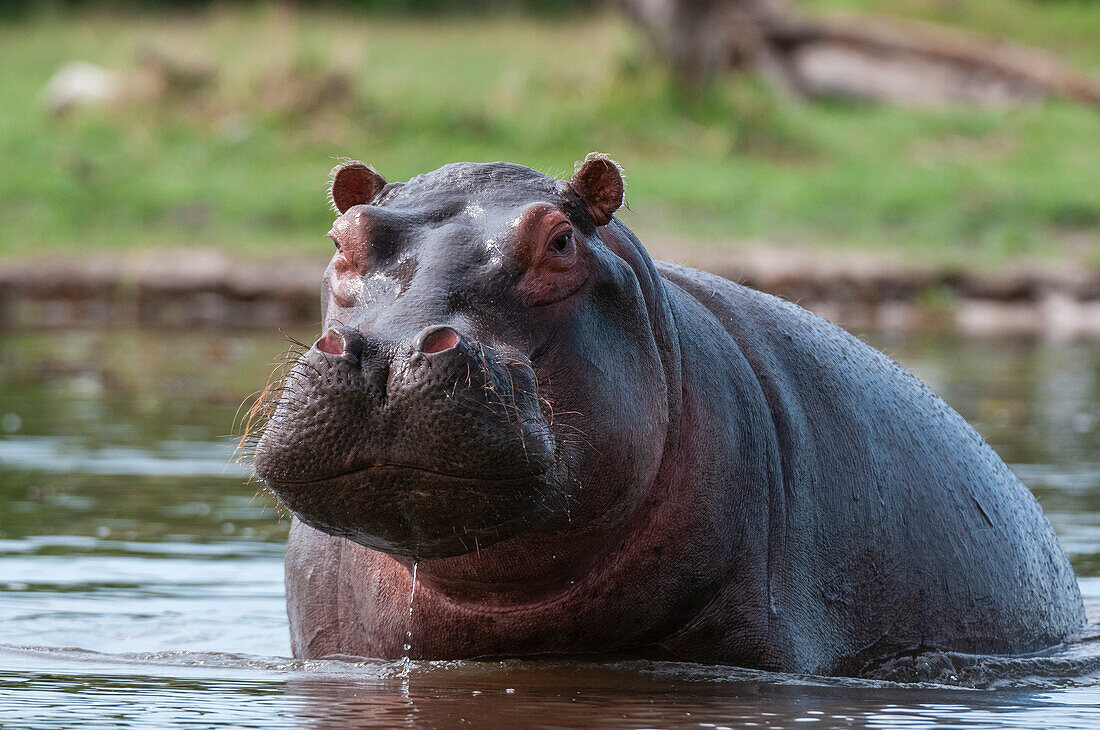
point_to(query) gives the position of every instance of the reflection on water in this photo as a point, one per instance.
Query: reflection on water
(148, 574)
(221, 690)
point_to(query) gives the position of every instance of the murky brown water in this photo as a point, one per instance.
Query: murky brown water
(141, 579)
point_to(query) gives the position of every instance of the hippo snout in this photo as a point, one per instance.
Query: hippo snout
(413, 449)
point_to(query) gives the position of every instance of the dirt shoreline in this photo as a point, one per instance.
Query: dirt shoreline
(206, 288)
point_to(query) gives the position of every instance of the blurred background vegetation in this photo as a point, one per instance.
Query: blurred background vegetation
(233, 113)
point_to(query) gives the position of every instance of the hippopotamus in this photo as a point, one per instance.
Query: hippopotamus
(570, 449)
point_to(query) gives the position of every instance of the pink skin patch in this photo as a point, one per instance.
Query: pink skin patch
(440, 340)
(332, 343)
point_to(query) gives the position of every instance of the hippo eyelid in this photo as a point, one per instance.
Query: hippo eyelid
(560, 232)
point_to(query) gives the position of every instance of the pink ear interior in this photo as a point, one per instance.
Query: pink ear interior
(354, 184)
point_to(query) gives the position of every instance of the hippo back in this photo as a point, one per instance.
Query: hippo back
(893, 526)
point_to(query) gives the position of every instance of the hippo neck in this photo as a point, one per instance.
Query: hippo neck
(527, 566)
(661, 310)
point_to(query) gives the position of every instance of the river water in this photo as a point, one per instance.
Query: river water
(141, 577)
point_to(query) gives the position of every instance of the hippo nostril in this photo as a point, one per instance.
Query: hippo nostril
(437, 339)
(332, 343)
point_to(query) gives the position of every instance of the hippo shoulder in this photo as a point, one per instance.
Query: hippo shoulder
(800, 356)
(785, 341)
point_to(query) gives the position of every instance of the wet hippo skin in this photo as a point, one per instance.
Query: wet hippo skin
(588, 452)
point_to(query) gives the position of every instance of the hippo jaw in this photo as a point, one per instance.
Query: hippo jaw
(416, 513)
(449, 453)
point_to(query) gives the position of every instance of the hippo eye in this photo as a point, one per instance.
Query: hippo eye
(561, 243)
(334, 241)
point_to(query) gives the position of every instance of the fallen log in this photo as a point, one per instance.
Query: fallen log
(909, 63)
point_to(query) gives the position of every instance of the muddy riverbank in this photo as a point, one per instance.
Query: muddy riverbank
(204, 288)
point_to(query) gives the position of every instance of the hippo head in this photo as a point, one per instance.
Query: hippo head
(492, 363)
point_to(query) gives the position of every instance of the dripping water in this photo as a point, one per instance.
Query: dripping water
(404, 674)
(408, 622)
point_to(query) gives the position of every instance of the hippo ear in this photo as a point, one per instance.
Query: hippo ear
(599, 183)
(353, 183)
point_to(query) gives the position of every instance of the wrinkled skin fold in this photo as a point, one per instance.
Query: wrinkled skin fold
(589, 452)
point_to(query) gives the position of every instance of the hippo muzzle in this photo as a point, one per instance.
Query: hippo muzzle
(430, 449)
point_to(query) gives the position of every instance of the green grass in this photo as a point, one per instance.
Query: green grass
(231, 168)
